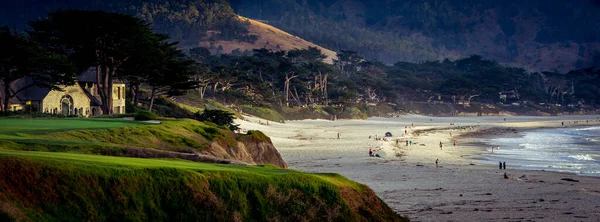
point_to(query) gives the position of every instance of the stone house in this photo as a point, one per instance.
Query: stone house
(81, 99)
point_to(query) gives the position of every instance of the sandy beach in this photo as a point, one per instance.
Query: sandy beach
(461, 188)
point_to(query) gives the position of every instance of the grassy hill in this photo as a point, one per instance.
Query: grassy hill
(268, 37)
(184, 139)
(41, 186)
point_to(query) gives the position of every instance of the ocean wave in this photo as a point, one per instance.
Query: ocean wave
(591, 172)
(588, 128)
(582, 157)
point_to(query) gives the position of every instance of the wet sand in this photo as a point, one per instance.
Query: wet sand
(460, 188)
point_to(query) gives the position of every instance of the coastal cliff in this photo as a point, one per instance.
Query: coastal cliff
(253, 148)
(40, 186)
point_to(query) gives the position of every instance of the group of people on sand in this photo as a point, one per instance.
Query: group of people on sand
(497, 148)
(501, 165)
(372, 153)
(377, 138)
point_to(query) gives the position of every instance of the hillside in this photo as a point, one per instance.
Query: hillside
(184, 20)
(268, 37)
(212, 24)
(183, 139)
(40, 186)
(538, 35)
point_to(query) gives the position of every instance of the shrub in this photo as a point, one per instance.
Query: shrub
(145, 115)
(219, 117)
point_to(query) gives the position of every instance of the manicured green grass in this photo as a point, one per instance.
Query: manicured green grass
(263, 112)
(42, 186)
(39, 126)
(144, 162)
(56, 134)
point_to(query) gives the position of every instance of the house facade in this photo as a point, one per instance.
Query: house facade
(81, 99)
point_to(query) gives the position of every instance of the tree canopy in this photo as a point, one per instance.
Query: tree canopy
(22, 59)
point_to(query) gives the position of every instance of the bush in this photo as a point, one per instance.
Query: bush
(219, 117)
(145, 115)
(27, 114)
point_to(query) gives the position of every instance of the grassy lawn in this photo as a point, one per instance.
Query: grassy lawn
(57, 134)
(144, 163)
(40, 126)
(140, 163)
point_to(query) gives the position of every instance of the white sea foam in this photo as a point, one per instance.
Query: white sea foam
(589, 128)
(582, 157)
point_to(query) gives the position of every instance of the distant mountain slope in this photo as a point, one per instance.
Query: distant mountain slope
(268, 37)
(537, 34)
(191, 22)
(186, 21)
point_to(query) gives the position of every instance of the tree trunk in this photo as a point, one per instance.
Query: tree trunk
(152, 98)
(136, 92)
(6, 97)
(103, 84)
(286, 87)
(202, 91)
(106, 94)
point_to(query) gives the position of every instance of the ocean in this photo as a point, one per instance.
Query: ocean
(572, 150)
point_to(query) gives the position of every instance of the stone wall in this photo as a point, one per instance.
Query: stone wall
(80, 101)
(118, 91)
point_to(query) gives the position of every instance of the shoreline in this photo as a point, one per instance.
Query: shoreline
(407, 179)
(559, 162)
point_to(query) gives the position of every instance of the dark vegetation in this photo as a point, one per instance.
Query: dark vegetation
(22, 58)
(219, 117)
(184, 20)
(426, 30)
(145, 115)
(524, 34)
(297, 84)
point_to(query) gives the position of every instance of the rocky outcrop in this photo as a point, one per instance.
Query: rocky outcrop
(254, 148)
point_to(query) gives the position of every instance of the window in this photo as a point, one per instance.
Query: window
(118, 92)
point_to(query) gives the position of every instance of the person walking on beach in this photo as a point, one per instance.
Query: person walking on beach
(436, 163)
(504, 165)
(410, 142)
(497, 148)
(492, 149)
(454, 142)
(338, 136)
(370, 152)
(441, 146)
(500, 165)
(407, 143)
